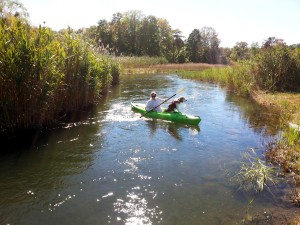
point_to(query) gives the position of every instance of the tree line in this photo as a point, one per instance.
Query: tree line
(135, 34)
(45, 74)
(276, 66)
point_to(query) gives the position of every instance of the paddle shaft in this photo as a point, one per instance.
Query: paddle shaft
(157, 106)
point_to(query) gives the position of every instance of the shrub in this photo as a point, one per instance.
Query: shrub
(276, 69)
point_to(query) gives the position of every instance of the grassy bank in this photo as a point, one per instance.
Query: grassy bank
(241, 80)
(151, 65)
(238, 80)
(286, 151)
(287, 102)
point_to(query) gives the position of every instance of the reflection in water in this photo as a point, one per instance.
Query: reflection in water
(174, 129)
(113, 167)
(262, 119)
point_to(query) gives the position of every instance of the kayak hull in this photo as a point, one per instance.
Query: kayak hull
(174, 116)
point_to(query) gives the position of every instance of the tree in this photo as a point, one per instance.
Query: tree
(194, 46)
(150, 37)
(272, 41)
(131, 23)
(210, 45)
(104, 36)
(203, 46)
(240, 51)
(117, 33)
(254, 49)
(10, 8)
(178, 52)
(166, 38)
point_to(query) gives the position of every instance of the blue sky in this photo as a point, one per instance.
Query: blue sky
(234, 20)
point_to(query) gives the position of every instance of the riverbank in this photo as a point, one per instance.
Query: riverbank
(287, 103)
(166, 68)
(286, 152)
(283, 101)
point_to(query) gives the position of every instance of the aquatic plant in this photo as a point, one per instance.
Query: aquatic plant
(255, 174)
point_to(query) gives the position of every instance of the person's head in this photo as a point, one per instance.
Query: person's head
(181, 99)
(153, 94)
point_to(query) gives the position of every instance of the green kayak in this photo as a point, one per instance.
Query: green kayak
(174, 116)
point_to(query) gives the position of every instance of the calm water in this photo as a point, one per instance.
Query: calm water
(112, 167)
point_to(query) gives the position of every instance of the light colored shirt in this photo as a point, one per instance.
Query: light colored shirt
(152, 103)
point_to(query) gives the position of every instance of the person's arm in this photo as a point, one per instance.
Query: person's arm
(148, 106)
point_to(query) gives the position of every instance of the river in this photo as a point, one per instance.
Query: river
(110, 166)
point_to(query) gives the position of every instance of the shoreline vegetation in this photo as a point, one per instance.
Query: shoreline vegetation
(285, 152)
(47, 74)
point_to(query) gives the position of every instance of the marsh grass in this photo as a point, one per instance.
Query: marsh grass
(236, 78)
(255, 174)
(45, 74)
(286, 152)
(287, 102)
(140, 62)
(151, 65)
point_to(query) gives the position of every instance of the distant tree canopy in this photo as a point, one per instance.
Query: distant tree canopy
(203, 46)
(134, 34)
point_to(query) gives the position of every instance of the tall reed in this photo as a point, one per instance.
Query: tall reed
(44, 74)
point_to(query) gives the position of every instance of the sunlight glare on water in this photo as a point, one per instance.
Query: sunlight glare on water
(135, 209)
(112, 167)
(120, 112)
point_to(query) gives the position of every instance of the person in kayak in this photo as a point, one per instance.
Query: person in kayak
(153, 103)
(174, 106)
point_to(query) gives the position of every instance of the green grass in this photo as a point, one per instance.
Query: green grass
(235, 78)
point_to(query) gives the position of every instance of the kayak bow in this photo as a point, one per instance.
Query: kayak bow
(170, 116)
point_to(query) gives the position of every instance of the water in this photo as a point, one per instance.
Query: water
(113, 167)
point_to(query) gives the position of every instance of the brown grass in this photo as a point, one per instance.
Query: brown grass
(285, 102)
(187, 66)
(169, 68)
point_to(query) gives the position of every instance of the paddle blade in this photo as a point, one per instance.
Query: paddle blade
(181, 90)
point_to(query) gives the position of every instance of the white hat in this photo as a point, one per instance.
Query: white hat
(153, 94)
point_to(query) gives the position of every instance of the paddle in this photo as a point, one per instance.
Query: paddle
(178, 92)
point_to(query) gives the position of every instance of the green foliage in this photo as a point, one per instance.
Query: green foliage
(254, 174)
(149, 37)
(240, 52)
(143, 61)
(203, 46)
(277, 69)
(134, 34)
(44, 74)
(237, 78)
